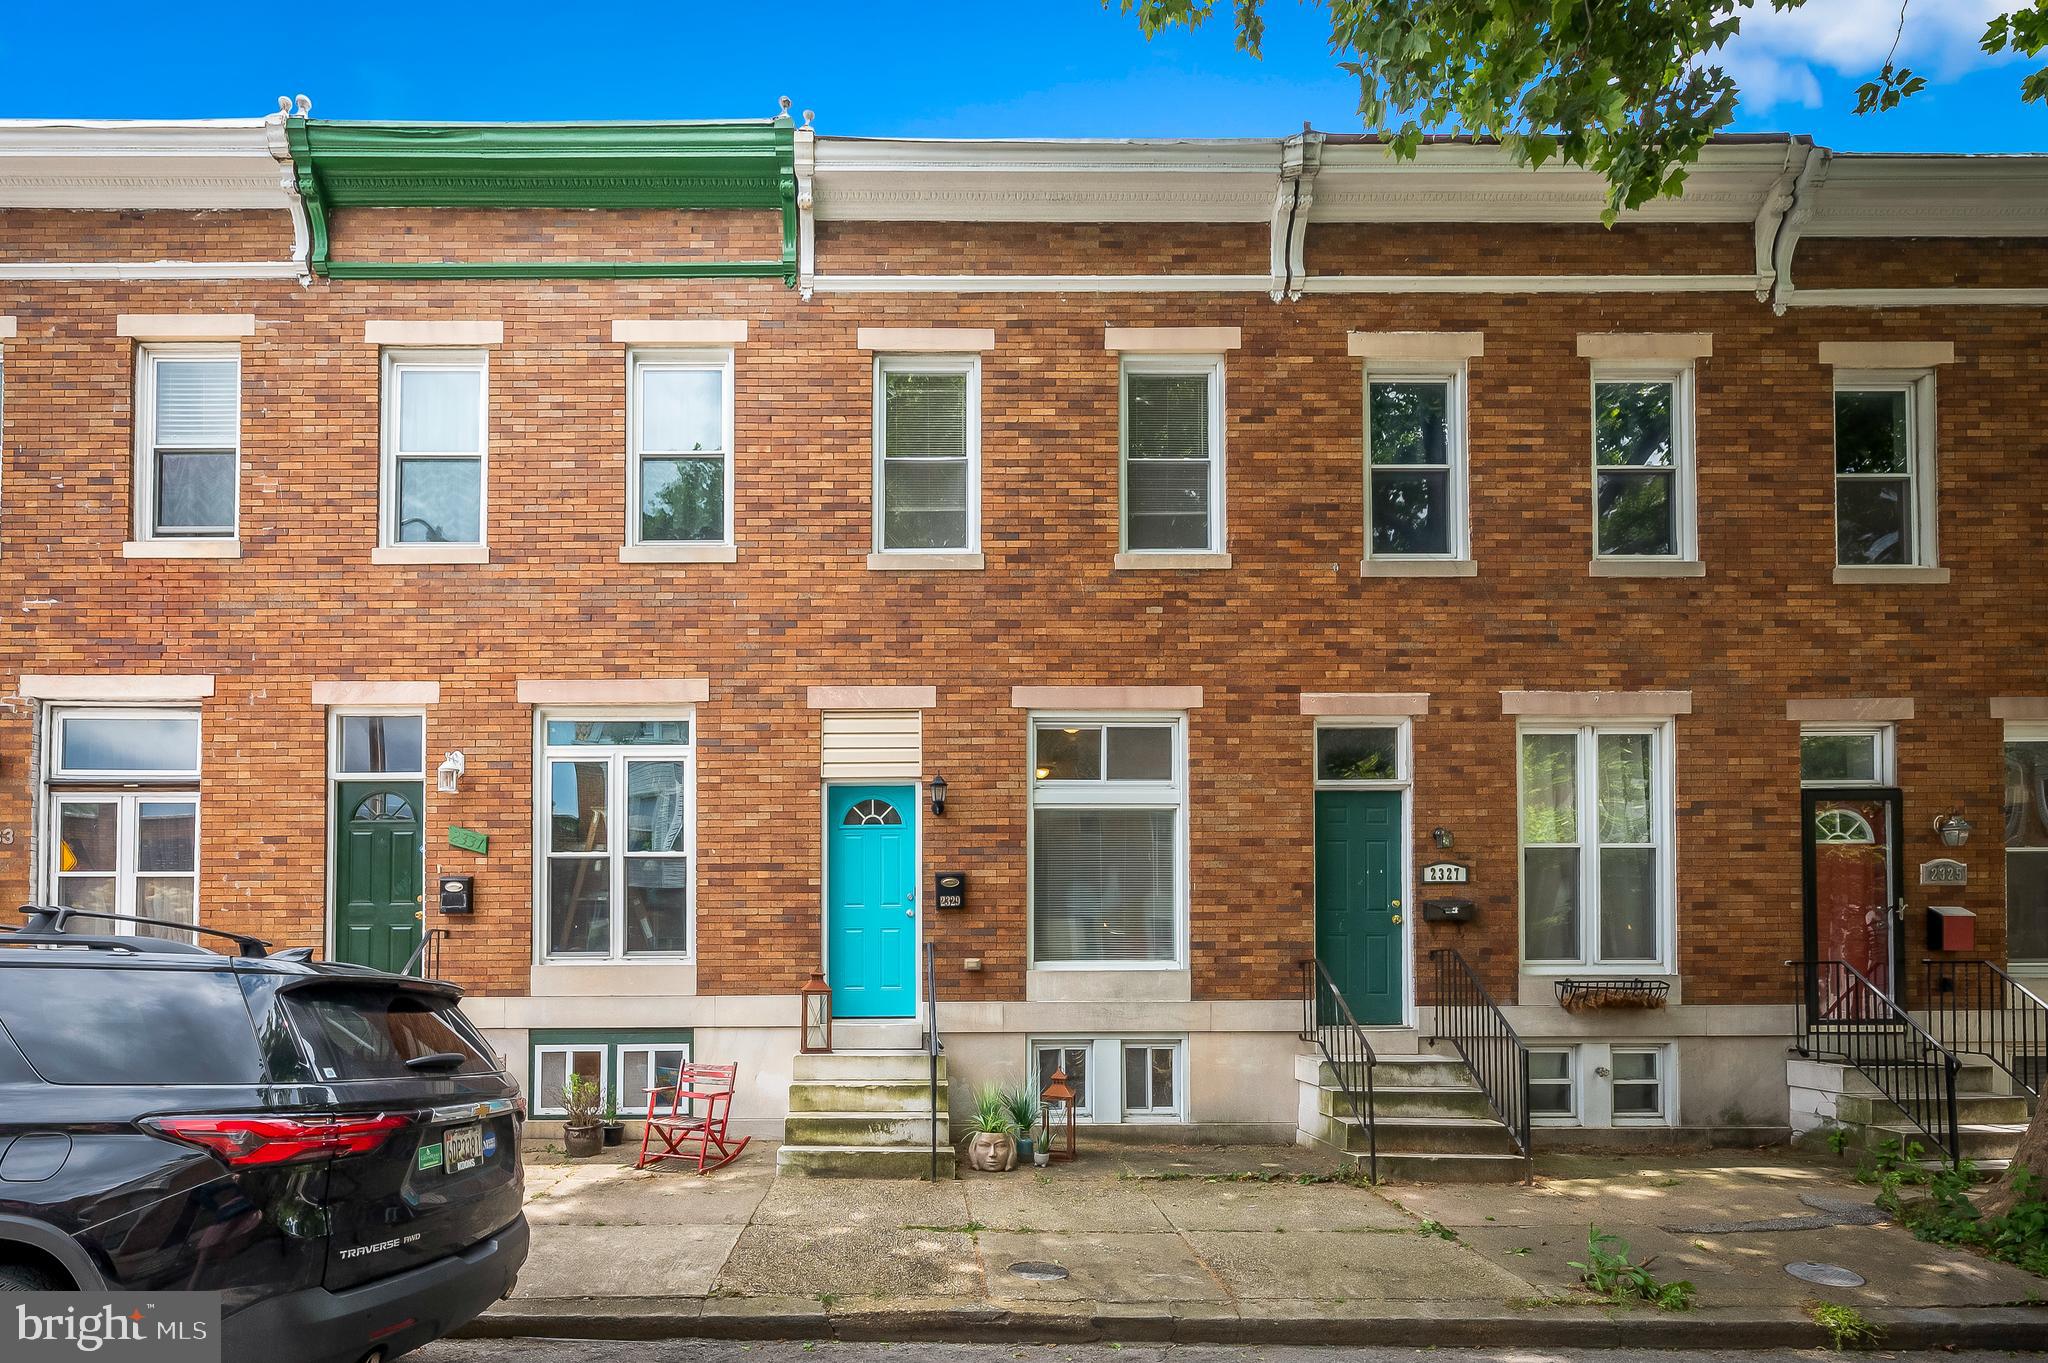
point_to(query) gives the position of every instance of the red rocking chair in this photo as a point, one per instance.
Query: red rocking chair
(693, 1126)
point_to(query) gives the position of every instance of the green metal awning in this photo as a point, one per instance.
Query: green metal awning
(736, 164)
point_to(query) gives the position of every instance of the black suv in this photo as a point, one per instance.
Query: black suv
(332, 1148)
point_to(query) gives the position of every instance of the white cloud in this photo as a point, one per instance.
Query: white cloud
(1775, 56)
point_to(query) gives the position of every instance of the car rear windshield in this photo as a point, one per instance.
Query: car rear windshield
(364, 1032)
(93, 1024)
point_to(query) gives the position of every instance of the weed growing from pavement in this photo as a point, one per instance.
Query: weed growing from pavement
(1607, 1271)
(1946, 1216)
(1431, 1226)
(1846, 1327)
(964, 1228)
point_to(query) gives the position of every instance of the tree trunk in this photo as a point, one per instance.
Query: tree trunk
(2032, 1156)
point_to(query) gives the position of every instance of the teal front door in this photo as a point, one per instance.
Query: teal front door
(871, 900)
(1358, 899)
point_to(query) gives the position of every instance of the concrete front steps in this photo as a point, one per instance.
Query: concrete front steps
(1990, 1115)
(1434, 1124)
(864, 1114)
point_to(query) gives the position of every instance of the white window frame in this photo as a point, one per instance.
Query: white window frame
(1084, 1112)
(395, 362)
(1575, 1106)
(59, 716)
(2019, 732)
(146, 447)
(336, 772)
(127, 804)
(649, 1049)
(1921, 468)
(1185, 366)
(968, 365)
(1113, 795)
(1108, 1104)
(1137, 1115)
(639, 360)
(615, 756)
(1884, 739)
(603, 1051)
(1457, 451)
(1403, 752)
(1685, 539)
(1664, 805)
(1667, 1084)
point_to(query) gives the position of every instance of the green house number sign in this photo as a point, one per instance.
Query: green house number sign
(468, 839)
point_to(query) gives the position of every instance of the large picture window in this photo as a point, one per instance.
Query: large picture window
(1596, 845)
(927, 447)
(1883, 474)
(434, 443)
(1642, 464)
(1415, 465)
(618, 822)
(1108, 824)
(188, 441)
(2026, 844)
(680, 464)
(132, 849)
(1173, 455)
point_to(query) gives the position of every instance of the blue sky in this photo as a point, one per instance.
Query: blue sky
(1051, 68)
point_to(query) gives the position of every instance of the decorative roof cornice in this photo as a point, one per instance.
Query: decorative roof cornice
(1932, 196)
(210, 164)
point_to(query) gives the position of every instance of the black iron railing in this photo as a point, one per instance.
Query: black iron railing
(1975, 1006)
(1326, 1020)
(933, 1046)
(1473, 1024)
(425, 961)
(1841, 1013)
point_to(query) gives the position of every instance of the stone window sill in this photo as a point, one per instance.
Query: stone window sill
(1418, 567)
(1646, 567)
(1870, 576)
(1157, 560)
(678, 553)
(912, 563)
(431, 553)
(182, 549)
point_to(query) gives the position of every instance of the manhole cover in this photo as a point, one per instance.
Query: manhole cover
(1827, 1275)
(1042, 1273)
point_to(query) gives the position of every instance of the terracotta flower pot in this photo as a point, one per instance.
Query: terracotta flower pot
(991, 1152)
(583, 1141)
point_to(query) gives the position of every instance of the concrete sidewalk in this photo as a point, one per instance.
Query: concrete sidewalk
(1226, 1245)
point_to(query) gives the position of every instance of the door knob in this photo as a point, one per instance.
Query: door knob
(1397, 918)
(1395, 905)
(910, 913)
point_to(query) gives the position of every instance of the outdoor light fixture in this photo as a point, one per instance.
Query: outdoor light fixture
(1441, 836)
(1953, 828)
(939, 796)
(816, 997)
(449, 772)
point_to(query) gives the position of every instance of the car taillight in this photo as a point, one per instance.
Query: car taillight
(245, 1142)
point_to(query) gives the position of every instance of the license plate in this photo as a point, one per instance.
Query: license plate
(462, 1148)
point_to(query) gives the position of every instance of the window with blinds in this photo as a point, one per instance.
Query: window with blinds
(434, 447)
(927, 444)
(1108, 827)
(191, 413)
(1173, 494)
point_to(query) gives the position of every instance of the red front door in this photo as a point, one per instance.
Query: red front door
(1852, 888)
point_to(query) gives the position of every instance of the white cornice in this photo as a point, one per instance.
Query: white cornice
(218, 164)
(1932, 196)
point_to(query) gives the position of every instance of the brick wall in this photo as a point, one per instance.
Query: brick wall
(394, 234)
(79, 234)
(798, 607)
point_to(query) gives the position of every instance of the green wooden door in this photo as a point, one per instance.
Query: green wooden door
(1358, 899)
(377, 870)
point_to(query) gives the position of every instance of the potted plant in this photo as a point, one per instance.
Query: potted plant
(1022, 1102)
(582, 1135)
(991, 1144)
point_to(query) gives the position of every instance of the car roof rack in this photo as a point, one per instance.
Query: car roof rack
(48, 922)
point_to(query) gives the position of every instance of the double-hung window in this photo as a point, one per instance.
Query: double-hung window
(1553, 1092)
(1172, 455)
(123, 804)
(1643, 464)
(1108, 841)
(1640, 1088)
(188, 441)
(927, 454)
(434, 448)
(1884, 500)
(2026, 843)
(618, 822)
(1415, 464)
(681, 435)
(1596, 817)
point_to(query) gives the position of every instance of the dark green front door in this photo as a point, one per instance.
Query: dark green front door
(377, 872)
(1358, 899)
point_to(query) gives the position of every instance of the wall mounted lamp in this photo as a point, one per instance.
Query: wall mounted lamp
(451, 768)
(1441, 836)
(1953, 828)
(939, 796)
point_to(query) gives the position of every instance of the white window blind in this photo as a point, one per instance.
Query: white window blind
(926, 460)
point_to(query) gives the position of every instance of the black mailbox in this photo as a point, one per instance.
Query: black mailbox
(458, 894)
(949, 889)
(1449, 911)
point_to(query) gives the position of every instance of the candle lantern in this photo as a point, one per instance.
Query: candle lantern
(1059, 1139)
(816, 998)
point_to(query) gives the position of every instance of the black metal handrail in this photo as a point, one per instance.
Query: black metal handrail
(1840, 1012)
(1326, 1019)
(1468, 1018)
(425, 960)
(933, 1045)
(1973, 1005)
